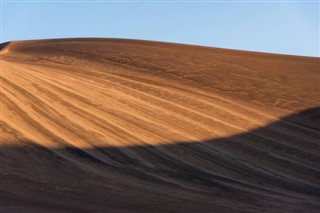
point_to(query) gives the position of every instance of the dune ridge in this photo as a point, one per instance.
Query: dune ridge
(154, 127)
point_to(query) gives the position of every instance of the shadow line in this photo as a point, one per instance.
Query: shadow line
(3, 45)
(274, 168)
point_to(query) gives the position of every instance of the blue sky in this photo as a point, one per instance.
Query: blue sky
(279, 27)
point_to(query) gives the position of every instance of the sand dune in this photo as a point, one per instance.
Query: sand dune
(114, 125)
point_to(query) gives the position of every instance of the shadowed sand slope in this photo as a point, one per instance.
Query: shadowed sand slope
(112, 125)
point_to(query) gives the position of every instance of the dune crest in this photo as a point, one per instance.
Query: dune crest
(154, 127)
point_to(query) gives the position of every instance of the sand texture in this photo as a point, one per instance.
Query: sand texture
(114, 125)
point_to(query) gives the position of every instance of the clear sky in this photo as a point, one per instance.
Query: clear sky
(279, 27)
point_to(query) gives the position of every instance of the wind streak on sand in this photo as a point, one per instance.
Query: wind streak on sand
(132, 126)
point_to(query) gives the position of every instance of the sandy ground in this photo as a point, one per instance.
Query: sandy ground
(113, 125)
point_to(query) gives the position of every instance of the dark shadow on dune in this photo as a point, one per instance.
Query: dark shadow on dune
(275, 168)
(3, 45)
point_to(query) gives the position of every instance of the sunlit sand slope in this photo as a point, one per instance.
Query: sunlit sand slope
(112, 125)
